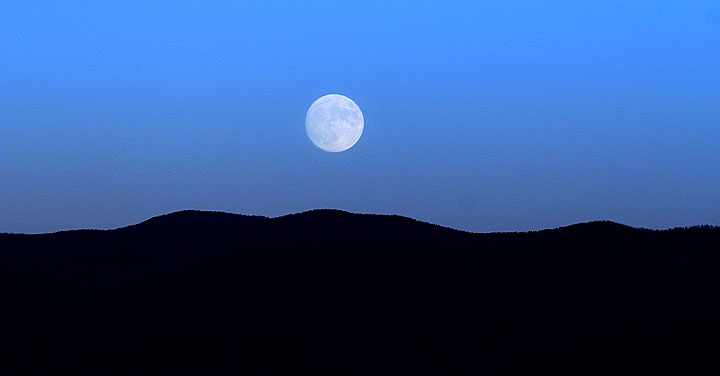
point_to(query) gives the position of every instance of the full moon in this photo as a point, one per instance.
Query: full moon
(334, 123)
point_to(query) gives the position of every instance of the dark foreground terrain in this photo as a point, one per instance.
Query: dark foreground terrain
(345, 293)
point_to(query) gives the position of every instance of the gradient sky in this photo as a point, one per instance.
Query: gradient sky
(479, 115)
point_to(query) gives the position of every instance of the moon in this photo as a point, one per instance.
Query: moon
(334, 123)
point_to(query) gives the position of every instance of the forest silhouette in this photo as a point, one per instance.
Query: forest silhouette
(334, 291)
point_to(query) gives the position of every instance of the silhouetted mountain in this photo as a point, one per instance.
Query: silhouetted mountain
(333, 291)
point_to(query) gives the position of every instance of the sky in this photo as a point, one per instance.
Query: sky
(479, 115)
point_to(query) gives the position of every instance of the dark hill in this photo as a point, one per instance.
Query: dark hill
(333, 291)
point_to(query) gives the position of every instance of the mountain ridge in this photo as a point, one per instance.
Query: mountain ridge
(177, 217)
(330, 289)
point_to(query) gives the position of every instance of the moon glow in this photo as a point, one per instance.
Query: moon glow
(334, 123)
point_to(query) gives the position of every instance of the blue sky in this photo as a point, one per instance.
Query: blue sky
(484, 116)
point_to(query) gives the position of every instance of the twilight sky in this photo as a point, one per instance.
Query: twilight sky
(479, 115)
